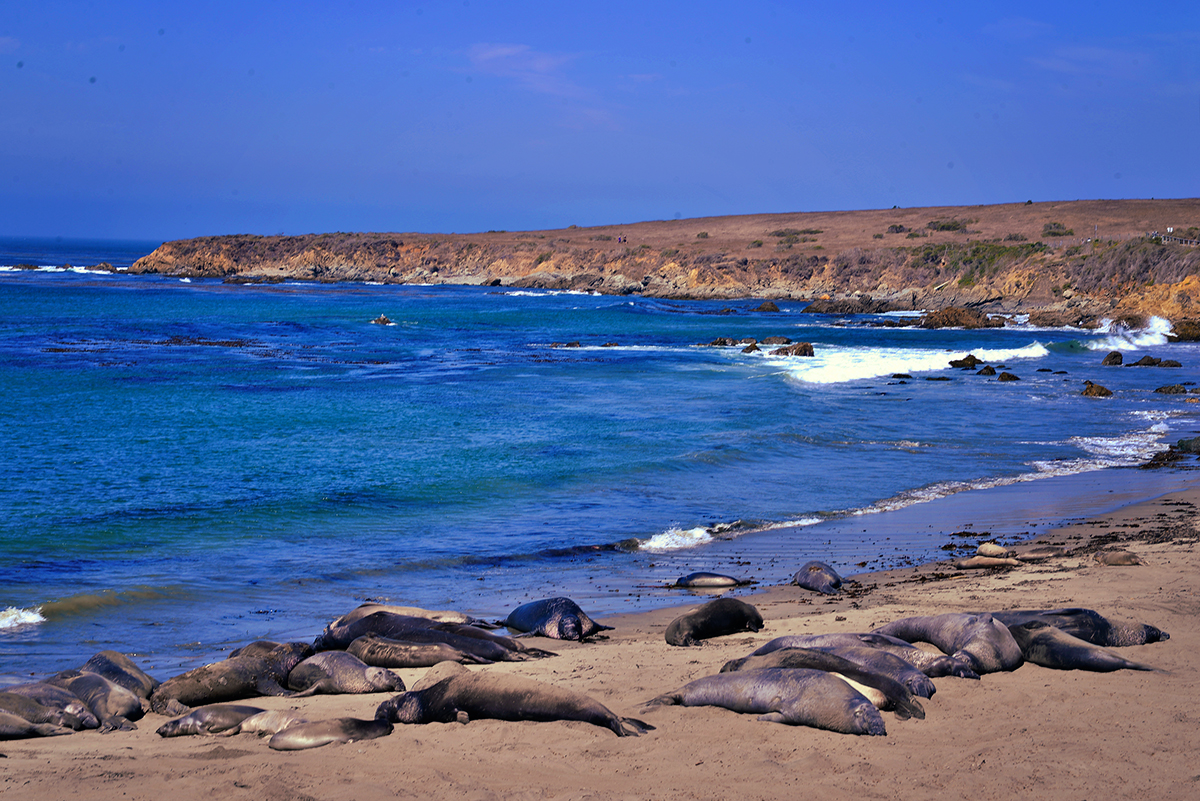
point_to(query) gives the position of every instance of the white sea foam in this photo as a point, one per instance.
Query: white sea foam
(1118, 337)
(12, 617)
(837, 364)
(674, 539)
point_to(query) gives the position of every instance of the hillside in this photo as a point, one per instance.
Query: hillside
(1078, 259)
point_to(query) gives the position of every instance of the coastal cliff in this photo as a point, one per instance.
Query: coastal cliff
(1071, 261)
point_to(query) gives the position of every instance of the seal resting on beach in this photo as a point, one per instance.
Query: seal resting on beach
(979, 562)
(1117, 558)
(405, 628)
(114, 706)
(15, 727)
(1043, 644)
(59, 698)
(120, 669)
(932, 665)
(702, 581)
(211, 719)
(317, 733)
(818, 577)
(556, 618)
(449, 692)
(1086, 624)
(383, 652)
(984, 643)
(248, 674)
(882, 690)
(714, 619)
(797, 697)
(271, 721)
(436, 615)
(35, 712)
(337, 672)
(994, 549)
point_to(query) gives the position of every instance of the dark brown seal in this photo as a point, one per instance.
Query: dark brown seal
(714, 619)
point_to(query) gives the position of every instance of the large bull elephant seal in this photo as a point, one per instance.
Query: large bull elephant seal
(250, 674)
(388, 653)
(1043, 644)
(1086, 624)
(452, 693)
(115, 707)
(981, 641)
(316, 733)
(335, 672)
(818, 577)
(714, 619)
(120, 669)
(556, 618)
(211, 719)
(782, 695)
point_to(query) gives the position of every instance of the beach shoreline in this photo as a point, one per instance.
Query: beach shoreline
(1033, 732)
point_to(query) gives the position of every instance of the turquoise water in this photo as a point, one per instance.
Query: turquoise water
(188, 464)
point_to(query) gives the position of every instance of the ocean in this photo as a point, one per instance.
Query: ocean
(190, 465)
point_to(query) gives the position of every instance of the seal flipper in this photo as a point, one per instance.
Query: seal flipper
(631, 727)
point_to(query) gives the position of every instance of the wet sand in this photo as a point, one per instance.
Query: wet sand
(1031, 733)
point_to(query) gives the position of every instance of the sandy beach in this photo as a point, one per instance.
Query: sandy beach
(1030, 733)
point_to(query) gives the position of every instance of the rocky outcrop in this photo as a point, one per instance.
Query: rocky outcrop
(798, 349)
(1091, 390)
(1113, 359)
(959, 317)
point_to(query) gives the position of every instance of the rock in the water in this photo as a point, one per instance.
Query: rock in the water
(987, 370)
(970, 360)
(1095, 390)
(799, 349)
(767, 306)
(1008, 377)
(1113, 359)
(1172, 389)
(1145, 361)
(959, 317)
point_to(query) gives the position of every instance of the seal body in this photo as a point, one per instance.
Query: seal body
(818, 577)
(1086, 624)
(797, 697)
(702, 580)
(36, 712)
(405, 628)
(60, 698)
(113, 705)
(453, 693)
(931, 664)
(980, 562)
(1117, 558)
(384, 652)
(556, 618)
(120, 669)
(15, 727)
(335, 672)
(272, 721)
(1044, 645)
(977, 639)
(316, 733)
(436, 615)
(714, 619)
(249, 674)
(211, 719)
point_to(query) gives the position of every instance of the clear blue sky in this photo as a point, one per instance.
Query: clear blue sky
(168, 120)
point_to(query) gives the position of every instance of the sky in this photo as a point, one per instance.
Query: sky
(152, 120)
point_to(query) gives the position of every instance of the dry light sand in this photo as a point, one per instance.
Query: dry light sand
(1032, 733)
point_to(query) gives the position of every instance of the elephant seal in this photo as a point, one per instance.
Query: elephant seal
(556, 618)
(931, 664)
(114, 706)
(994, 549)
(978, 562)
(714, 619)
(317, 733)
(247, 675)
(818, 577)
(797, 697)
(1086, 624)
(984, 643)
(120, 669)
(882, 690)
(272, 721)
(405, 628)
(36, 712)
(451, 693)
(437, 615)
(1036, 553)
(1118, 558)
(383, 652)
(15, 727)
(705, 581)
(60, 698)
(336, 672)
(1044, 645)
(211, 719)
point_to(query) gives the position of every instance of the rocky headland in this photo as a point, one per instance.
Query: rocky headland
(1065, 263)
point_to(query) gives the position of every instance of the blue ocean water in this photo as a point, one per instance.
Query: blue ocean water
(189, 465)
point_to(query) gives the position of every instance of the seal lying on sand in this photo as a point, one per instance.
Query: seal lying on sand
(383, 652)
(556, 618)
(450, 692)
(249, 674)
(437, 615)
(882, 690)
(115, 707)
(211, 719)
(1086, 624)
(818, 577)
(36, 712)
(1043, 644)
(782, 695)
(323, 732)
(15, 727)
(335, 672)
(120, 669)
(272, 721)
(931, 664)
(404, 628)
(59, 698)
(1118, 558)
(977, 639)
(702, 580)
(714, 619)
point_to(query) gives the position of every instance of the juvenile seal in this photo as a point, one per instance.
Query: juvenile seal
(35, 712)
(1086, 624)
(556, 618)
(931, 664)
(114, 706)
(383, 652)
(250, 674)
(1118, 558)
(436, 615)
(979, 562)
(60, 698)
(818, 577)
(703, 581)
(1044, 645)
(15, 727)
(336, 672)
(272, 721)
(453, 693)
(211, 719)
(994, 549)
(714, 619)
(984, 643)
(405, 628)
(781, 695)
(323, 732)
(884, 691)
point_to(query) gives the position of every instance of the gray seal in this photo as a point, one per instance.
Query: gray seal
(249, 674)
(211, 719)
(1043, 644)
(115, 707)
(782, 695)
(120, 669)
(384, 652)
(337, 672)
(556, 618)
(1086, 624)
(818, 577)
(704, 581)
(714, 619)
(882, 690)
(272, 721)
(450, 692)
(36, 712)
(67, 701)
(931, 664)
(981, 641)
(317, 733)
